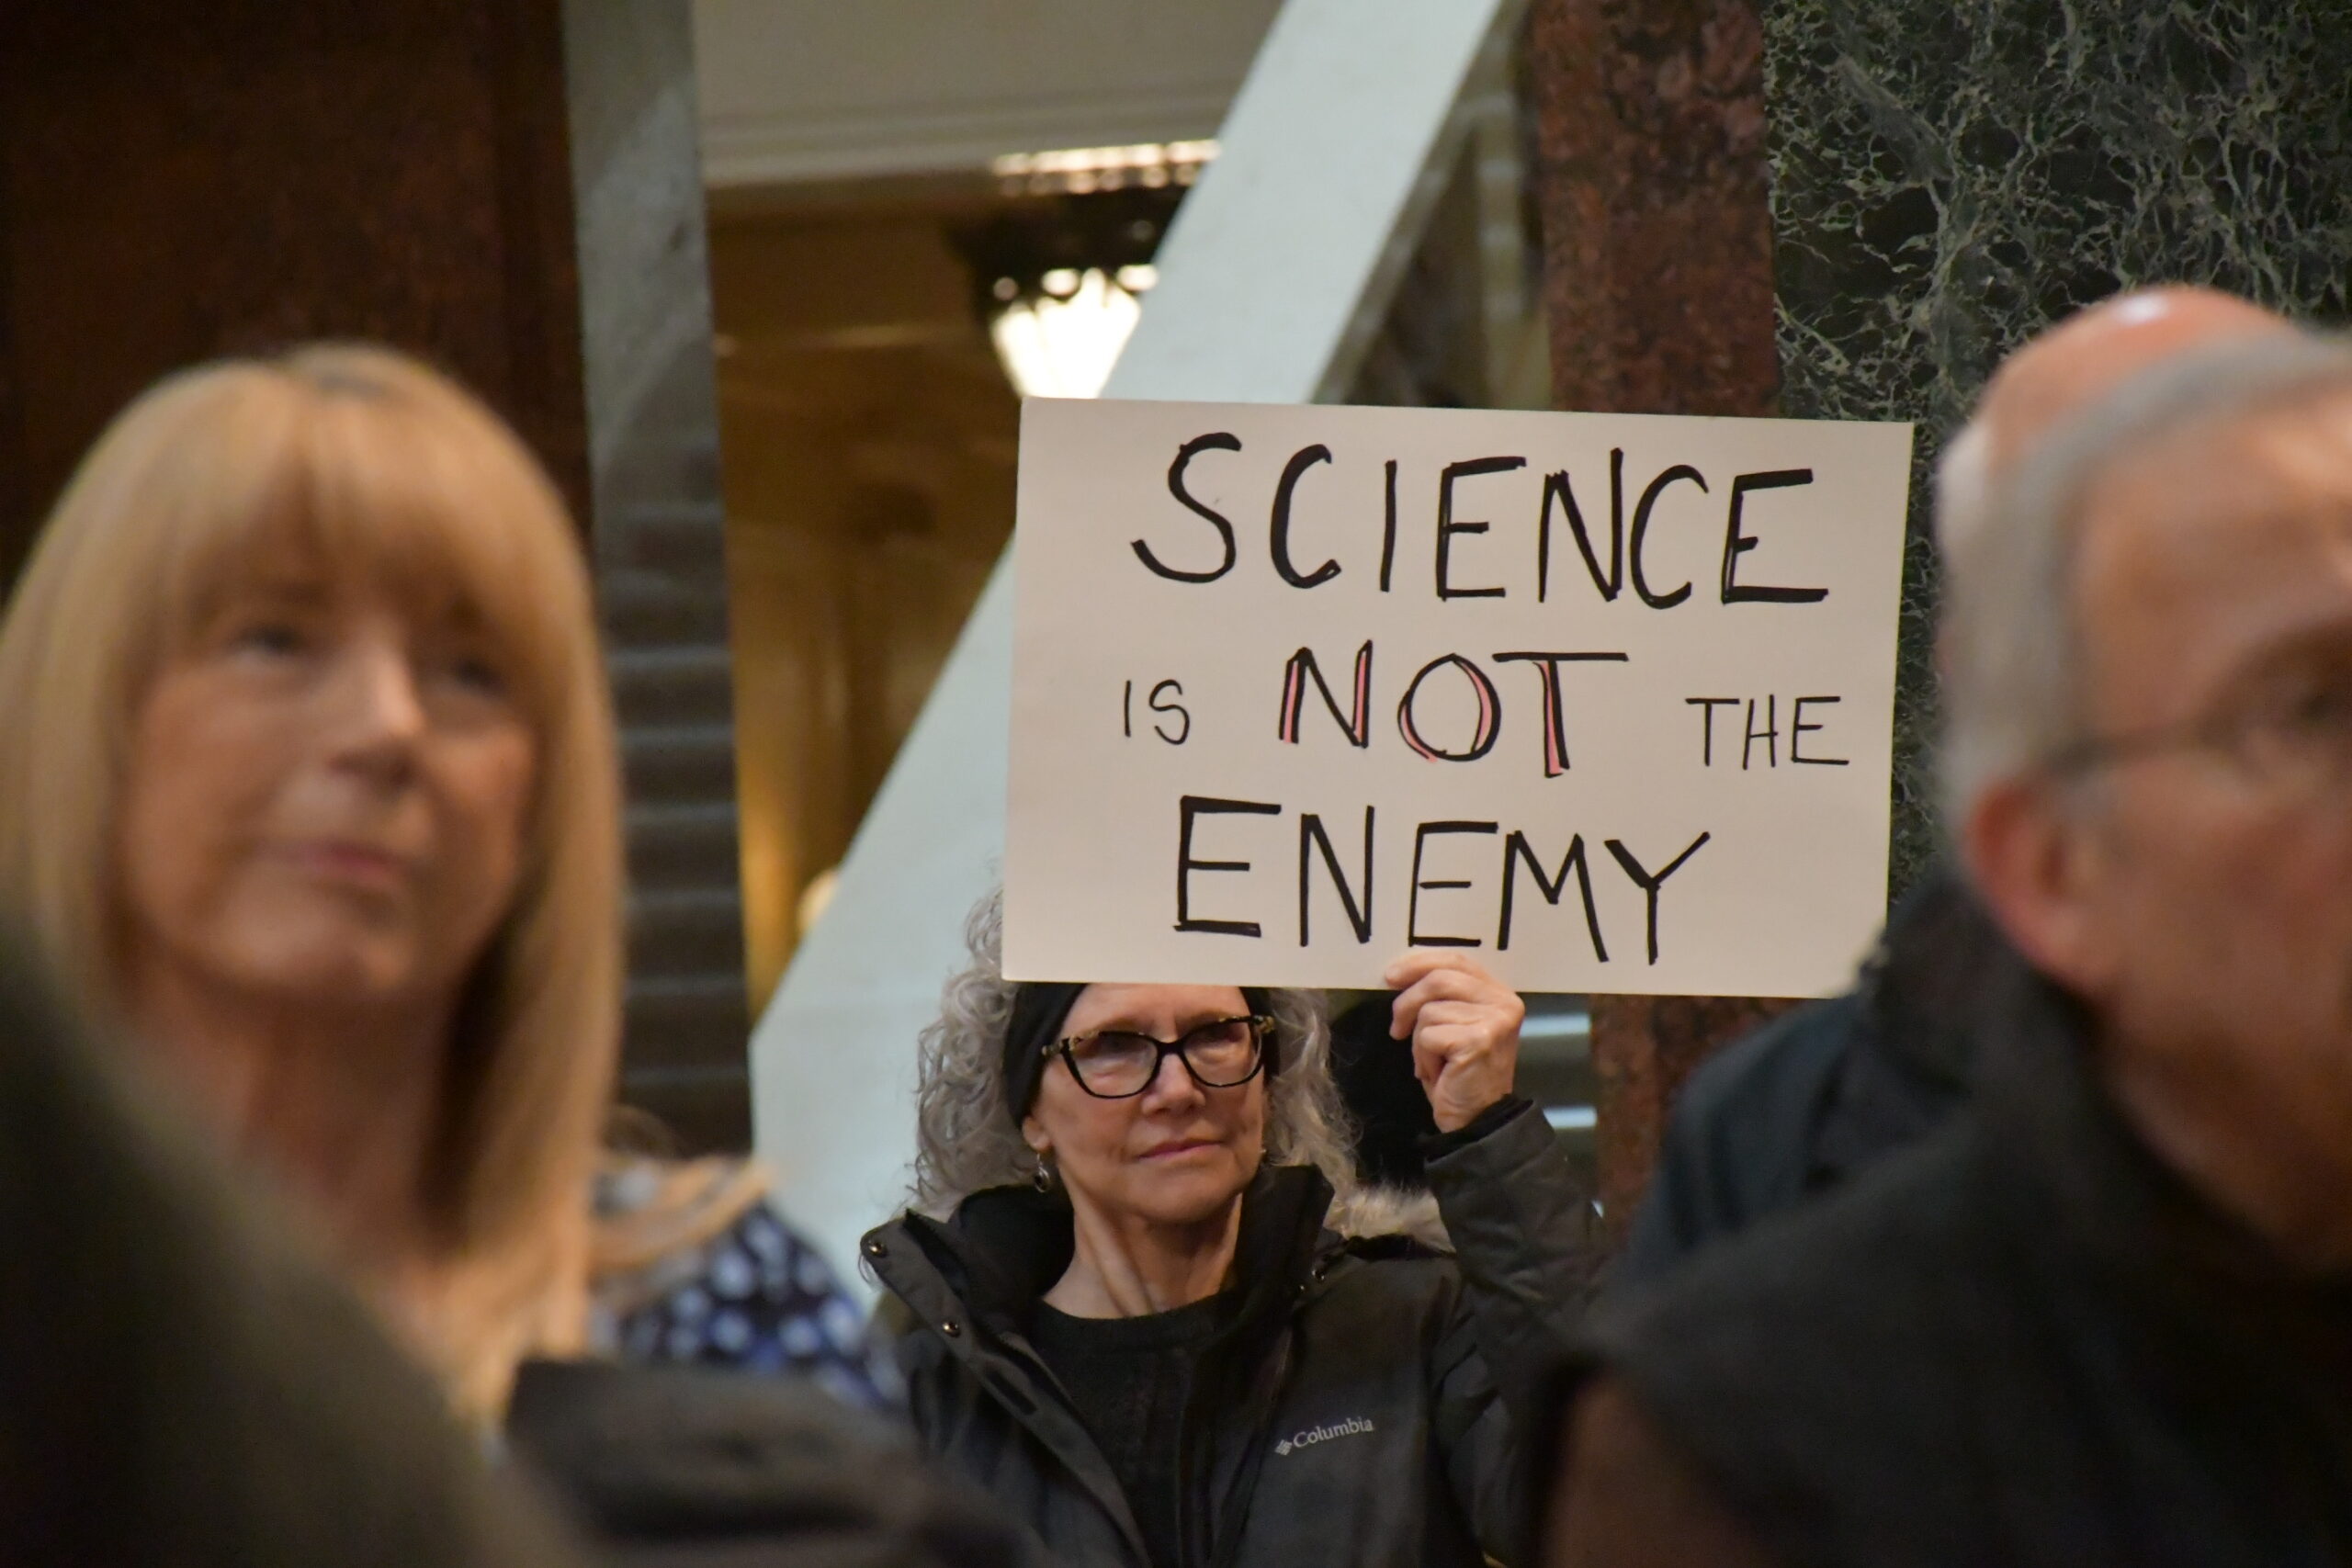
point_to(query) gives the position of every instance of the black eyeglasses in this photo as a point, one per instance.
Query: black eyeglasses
(2297, 735)
(1119, 1063)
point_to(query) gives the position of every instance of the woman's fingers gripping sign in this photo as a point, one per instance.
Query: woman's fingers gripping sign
(1464, 1025)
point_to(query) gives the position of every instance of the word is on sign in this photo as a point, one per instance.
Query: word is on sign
(1608, 699)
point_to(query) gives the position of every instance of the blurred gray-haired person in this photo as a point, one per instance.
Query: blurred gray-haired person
(1812, 1100)
(2105, 1314)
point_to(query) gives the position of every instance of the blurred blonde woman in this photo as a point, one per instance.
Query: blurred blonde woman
(311, 789)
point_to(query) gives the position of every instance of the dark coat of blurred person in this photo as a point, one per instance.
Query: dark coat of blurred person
(178, 1385)
(1816, 1097)
(1145, 1306)
(2105, 1315)
(322, 814)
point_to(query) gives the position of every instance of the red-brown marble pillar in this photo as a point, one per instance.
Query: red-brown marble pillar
(1657, 249)
(180, 181)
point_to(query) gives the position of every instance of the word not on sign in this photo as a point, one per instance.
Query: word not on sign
(1607, 700)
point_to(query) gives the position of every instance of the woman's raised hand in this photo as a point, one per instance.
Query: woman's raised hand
(1464, 1027)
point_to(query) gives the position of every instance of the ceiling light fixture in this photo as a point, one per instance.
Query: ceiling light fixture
(1062, 342)
(1060, 269)
(1082, 171)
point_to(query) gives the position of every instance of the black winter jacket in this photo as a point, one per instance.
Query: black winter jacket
(700, 1467)
(1814, 1098)
(1363, 1407)
(2027, 1342)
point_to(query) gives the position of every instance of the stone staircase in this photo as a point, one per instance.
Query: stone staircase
(658, 531)
(662, 587)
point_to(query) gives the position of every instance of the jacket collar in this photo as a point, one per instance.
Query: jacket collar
(1921, 989)
(1003, 1248)
(2116, 1203)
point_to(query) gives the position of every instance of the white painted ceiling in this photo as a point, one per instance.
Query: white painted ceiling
(801, 90)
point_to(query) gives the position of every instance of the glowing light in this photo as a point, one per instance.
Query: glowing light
(1064, 343)
(816, 896)
(1083, 169)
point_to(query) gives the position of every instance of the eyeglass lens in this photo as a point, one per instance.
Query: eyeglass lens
(1117, 1063)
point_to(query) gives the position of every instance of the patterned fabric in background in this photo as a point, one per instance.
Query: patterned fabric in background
(754, 1295)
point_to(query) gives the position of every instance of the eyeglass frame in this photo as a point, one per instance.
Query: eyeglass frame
(1261, 1029)
(2226, 735)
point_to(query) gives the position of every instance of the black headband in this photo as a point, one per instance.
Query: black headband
(1039, 1009)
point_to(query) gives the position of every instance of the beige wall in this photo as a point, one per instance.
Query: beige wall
(869, 440)
(800, 90)
(868, 432)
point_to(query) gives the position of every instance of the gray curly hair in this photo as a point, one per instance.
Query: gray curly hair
(965, 1141)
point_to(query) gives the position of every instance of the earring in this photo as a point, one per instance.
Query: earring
(1043, 1176)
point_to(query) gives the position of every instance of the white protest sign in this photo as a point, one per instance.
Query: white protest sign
(1606, 699)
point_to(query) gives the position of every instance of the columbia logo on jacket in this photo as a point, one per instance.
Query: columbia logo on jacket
(1350, 1427)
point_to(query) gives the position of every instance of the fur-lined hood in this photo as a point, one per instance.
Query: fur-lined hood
(1362, 1213)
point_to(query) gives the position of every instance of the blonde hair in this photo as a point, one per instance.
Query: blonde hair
(373, 466)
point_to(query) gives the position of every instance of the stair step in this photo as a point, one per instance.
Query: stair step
(705, 1117)
(684, 536)
(686, 931)
(689, 845)
(640, 608)
(698, 1007)
(674, 763)
(680, 684)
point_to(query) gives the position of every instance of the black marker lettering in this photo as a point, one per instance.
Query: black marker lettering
(1798, 726)
(1388, 529)
(1555, 729)
(1610, 583)
(1642, 527)
(1771, 733)
(1422, 836)
(1178, 709)
(1187, 808)
(1219, 441)
(1737, 543)
(1516, 849)
(1707, 706)
(1356, 723)
(1650, 885)
(1490, 713)
(1279, 541)
(1447, 527)
(1310, 829)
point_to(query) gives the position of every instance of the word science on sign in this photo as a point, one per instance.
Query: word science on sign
(1606, 700)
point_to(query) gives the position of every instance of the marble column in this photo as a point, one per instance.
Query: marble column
(1658, 285)
(1946, 177)
(1949, 176)
(510, 189)
(180, 182)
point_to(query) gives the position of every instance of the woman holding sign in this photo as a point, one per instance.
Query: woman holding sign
(1147, 1307)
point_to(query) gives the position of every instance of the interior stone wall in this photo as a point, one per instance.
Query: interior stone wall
(178, 183)
(660, 537)
(1949, 176)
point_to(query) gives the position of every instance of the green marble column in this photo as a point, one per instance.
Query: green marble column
(1951, 176)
